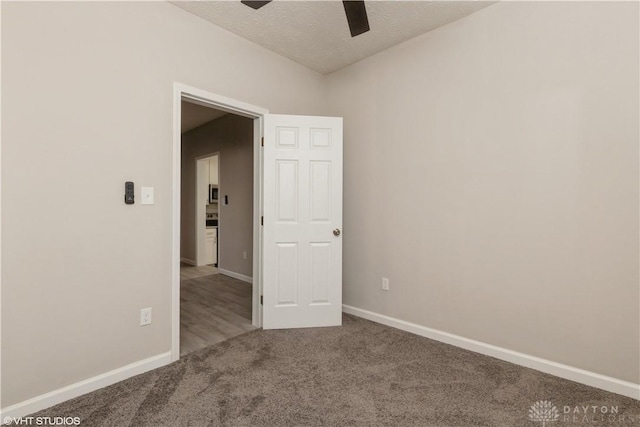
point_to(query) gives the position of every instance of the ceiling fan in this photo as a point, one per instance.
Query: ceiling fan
(354, 9)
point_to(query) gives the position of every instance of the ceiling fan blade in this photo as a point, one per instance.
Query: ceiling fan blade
(255, 4)
(356, 16)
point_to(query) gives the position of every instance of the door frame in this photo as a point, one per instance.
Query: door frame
(208, 99)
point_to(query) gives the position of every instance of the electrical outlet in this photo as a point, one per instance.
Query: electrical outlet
(244, 255)
(385, 284)
(145, 316)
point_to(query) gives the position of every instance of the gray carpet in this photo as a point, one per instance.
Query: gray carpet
(360, 374)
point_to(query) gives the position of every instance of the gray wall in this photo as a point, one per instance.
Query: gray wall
(96, 79)
(232, 137)
(491, 172)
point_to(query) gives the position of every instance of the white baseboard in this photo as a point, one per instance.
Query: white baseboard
(235, 275)
(592, 379)
(188, 261)
(60, 395)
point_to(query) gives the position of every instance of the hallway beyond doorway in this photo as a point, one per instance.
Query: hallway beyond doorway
(213, 308)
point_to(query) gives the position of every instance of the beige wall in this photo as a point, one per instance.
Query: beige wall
(87, 104)
(491, 172)
(232, 137)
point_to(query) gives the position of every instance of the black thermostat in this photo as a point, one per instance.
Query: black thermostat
(128, 193)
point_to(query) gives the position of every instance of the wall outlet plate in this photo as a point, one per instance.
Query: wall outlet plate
(145, 316)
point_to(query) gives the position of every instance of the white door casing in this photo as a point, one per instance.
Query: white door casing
(302, 240)
(201, 97)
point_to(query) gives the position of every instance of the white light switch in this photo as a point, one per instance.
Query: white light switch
(146, 196)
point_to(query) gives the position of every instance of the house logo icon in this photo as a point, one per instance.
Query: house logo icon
(544, 411)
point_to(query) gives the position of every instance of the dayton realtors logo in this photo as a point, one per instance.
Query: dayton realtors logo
(592, 414)
(544, 411)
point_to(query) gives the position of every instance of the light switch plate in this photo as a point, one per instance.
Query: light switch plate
(146, 196)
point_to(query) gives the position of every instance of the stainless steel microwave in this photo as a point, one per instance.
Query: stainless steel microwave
(213, 193)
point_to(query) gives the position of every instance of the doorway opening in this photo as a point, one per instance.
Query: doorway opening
(216, 245)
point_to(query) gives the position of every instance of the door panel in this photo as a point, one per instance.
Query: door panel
(302, 273)
(320, 272)
(287, 274)
(287, 190)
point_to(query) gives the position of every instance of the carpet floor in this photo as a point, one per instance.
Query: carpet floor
(360, 374)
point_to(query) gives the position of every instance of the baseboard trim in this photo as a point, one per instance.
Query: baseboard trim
(235, 275)
(188, 261)
(60, 395)
(582, 376)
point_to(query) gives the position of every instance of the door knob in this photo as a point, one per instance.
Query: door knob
(336, 232)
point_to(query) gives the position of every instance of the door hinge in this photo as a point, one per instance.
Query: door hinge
(261, 300)
(262, 142)
(262, 220)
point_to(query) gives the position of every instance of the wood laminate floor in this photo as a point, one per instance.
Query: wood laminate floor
(189, 272)
(213, 308)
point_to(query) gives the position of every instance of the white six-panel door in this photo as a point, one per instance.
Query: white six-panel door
(302, 252)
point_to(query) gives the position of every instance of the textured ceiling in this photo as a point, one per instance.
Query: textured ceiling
(315, 33)
(195, 115)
